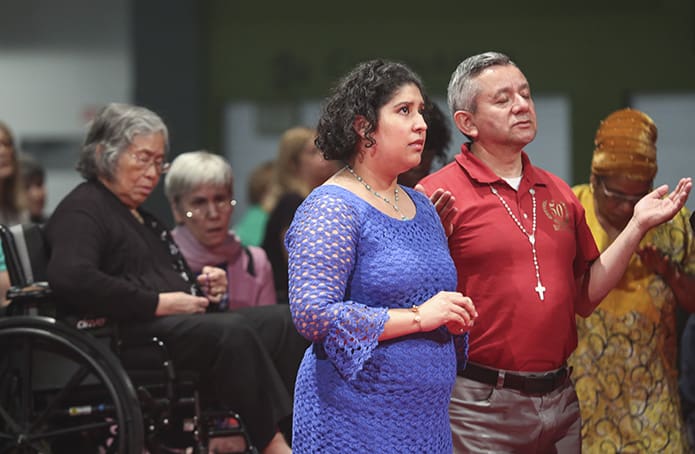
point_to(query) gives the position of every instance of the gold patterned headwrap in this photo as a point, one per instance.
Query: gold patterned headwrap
(625, 145)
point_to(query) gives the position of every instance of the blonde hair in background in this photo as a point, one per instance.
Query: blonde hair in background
(12, 197)
(292, 143)
(260, 185)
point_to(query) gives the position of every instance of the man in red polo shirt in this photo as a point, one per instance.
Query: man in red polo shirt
(526, 257)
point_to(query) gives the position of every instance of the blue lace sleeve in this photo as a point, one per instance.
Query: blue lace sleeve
(322, 243)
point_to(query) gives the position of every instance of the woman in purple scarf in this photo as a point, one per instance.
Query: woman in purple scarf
(199, 186)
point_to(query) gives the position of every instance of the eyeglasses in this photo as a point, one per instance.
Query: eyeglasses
(144, 160)
(620, 197)
(201, 209)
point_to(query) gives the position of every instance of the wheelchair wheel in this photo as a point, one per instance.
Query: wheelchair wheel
(62, 391)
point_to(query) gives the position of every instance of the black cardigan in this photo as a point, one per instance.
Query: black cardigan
(103, 262)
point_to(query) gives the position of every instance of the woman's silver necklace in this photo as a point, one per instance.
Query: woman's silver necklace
(394, 205)
(531, 236)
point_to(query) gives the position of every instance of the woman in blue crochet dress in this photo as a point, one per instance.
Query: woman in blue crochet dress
(372, 284)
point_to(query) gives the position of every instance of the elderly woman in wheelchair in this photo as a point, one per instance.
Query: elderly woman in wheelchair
(110, 258)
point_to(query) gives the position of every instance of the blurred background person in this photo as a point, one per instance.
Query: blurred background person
(33, 177)
(251, 227)
(200, 189)
(436, 145)
(4, 282)
(12, 200)
(625, 361)
(299, 168)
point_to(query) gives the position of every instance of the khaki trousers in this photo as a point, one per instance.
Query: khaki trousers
(501, 420)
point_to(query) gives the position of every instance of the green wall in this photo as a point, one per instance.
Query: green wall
(596, 52)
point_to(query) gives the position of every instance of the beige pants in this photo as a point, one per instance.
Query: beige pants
(500, 420)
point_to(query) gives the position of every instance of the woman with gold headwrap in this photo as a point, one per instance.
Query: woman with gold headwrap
(625, 362)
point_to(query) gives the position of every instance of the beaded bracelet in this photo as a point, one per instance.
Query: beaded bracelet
(417, 319)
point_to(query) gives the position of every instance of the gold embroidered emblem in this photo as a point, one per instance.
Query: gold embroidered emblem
(557, 212)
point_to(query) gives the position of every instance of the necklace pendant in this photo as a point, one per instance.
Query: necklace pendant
(369, 188)
(540, 290)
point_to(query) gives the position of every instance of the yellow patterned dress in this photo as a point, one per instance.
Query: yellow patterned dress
(625, 363)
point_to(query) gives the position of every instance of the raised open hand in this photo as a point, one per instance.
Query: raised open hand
(657, 207)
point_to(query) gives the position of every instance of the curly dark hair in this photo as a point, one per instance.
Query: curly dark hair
(363, 91)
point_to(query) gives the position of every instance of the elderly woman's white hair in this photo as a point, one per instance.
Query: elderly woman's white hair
(194, 169)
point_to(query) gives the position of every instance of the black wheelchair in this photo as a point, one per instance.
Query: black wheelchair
(71, 385)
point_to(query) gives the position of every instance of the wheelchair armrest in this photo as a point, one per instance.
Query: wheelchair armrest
(32, 299)
(38, 290)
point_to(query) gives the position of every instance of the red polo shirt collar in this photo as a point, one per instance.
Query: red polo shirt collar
(477, 170)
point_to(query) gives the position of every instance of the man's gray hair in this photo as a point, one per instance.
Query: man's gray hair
(194, 169)
(112, 131)
(462, 91)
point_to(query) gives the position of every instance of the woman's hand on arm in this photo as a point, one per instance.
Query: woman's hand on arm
(171, 303)
(452, 309)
